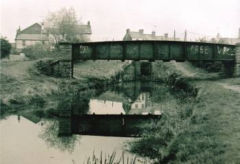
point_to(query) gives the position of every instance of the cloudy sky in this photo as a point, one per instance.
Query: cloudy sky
(111, 18)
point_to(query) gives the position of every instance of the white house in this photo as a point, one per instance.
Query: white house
(30, 36)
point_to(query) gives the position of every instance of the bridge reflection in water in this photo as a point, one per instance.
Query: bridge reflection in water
(123, 110)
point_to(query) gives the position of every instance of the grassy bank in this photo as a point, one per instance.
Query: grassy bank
(24, 88)
(205, 128)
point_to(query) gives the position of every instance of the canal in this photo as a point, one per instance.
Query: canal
(69, 138)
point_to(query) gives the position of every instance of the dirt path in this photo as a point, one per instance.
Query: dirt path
(16, 69)
(235, 88)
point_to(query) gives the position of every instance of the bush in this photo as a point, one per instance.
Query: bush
(215, 66)
(3, 108)
(5, 48)
(181, 84)
(44, 66)
(38, 51)
(37, 101)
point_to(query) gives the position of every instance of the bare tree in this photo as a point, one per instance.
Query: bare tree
(62, 26)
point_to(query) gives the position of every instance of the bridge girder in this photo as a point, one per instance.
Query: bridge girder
(152, 50)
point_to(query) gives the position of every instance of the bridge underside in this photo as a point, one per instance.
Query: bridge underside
(105, 125)
(153, 50)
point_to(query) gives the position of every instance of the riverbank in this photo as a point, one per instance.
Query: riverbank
(206, 130)
(202, 128)
(24, 88)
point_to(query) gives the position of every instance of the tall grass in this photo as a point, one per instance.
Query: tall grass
(113, 159)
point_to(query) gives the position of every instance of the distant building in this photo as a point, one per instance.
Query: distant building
(36, 34)
(30, 36)
(220, 39)
(84, 32)
(139, 35)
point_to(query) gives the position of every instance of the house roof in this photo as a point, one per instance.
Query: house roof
(33, 32)
(33, 29)
(231, 40)
(141, 36)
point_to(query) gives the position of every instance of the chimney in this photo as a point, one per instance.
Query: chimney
(185, 35)
(166, 36)
(174, 35)
(88, 23)
(18, 30)
(42, 25)
(153, 33)
(141, 31)
(218, 35)
(239, 33)
(128, 30)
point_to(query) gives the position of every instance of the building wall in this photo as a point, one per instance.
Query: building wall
(20, 43)
(84, 37)
(127, 37)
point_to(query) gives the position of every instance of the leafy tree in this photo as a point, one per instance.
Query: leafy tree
(62, 25)
(5, 48)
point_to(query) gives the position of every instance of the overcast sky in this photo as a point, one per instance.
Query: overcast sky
(111, 18)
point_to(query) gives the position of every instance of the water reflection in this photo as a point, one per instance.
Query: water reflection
(122, 110)
(128, 98)
(26, 142)
(97, 106)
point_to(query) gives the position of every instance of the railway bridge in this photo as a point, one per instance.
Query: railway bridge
(152, 50)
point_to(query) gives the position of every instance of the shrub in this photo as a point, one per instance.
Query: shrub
(3, 108)
(38, 51)
(37, 101)
(44, 66)
(5, 48)
(209, 66)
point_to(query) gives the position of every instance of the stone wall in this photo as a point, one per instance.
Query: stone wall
(62, 69)
(59, 68)
(65, 51)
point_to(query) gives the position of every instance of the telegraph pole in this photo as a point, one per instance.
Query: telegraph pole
(174, 35)
(185, 35)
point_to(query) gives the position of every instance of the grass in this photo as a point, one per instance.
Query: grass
(205, 128)
(21, 82)
(98, 69)
(113, 159)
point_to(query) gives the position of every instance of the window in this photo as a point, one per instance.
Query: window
(136, 105)
(24, 43)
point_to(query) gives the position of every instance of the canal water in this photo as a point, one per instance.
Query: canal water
(27, 139)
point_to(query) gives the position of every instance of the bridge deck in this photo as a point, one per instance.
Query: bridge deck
(152, 50)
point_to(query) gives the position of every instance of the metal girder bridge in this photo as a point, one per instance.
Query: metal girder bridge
(152, 50)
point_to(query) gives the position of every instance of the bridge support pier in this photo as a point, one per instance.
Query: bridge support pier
(228, 68)
(237, 61)
(66, 54)
(137, 71)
